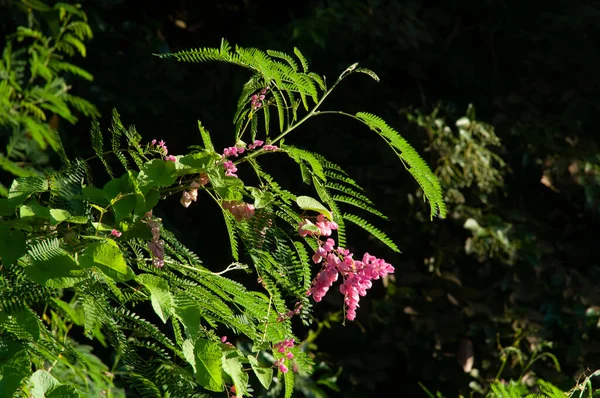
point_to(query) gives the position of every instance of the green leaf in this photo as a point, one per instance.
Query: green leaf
(8, 206)
(156, 173)
(189, 354)
(208, 365)
(58, 215)
(197, 162)
(188, 313)
(205, 138)
(308, 203)
(12, 245)
(95, 195)
(34, 210)
(27, 186)
(124, 194)
(229, 188)
(14, 366)
(108, 258)
(233, 367)
(160, 296)
(61, 271)
(22, 322)
(264, 375)
(46, 386)
(261, 198)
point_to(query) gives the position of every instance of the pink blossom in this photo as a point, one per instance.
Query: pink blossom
(223, 339)
(240, 210)
(270, 147)
(230, 168)
(171, 158)
(255, 144)
(116, 233)
(283, 368)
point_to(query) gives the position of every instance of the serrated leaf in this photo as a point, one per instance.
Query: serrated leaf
(108, 258)
(160, 296)
(208, 357)
(308, 203)
(264, 375)
(233, 367)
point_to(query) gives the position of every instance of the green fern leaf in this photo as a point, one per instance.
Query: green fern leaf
(358, 203)
(280, 109)
(380, 235)
(415, 164)
(285, 57)
(302, 59)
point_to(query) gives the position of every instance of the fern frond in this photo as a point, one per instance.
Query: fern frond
(285, 57)
(358, 203)
(302, 59)
(380, 235)
(300, 155)
(415, 164)
(45, 250)
(222, 54)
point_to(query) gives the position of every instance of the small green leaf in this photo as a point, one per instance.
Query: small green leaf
(197, 162)
(188, 313)
(34, 210)
(160, 296)
(188, 353)
(58, 215)
(261, 198)
(108, 258)
(233, 367)
(156, 173)
(12, 245)
(42, 382)
(264, 375)
(208, 365)
(308, 203)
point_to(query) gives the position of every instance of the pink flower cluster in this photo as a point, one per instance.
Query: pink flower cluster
(325, 226)
(257, 99)
(162, 148)
(240, 210)
(116, 233)
(191, 195)
(357, 274)
(283, 347)
(156, 245)
(235, 151)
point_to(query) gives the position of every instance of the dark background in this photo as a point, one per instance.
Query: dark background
(529, 68)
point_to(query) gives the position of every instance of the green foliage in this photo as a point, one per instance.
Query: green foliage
(35, 75)
(132, 285)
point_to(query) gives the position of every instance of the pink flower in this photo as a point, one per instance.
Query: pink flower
(171, 158)
(230, 168)
(283, 368)
(223, 339)
(255, 144)
(270, 147)
(239, 210)
(116, 233)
